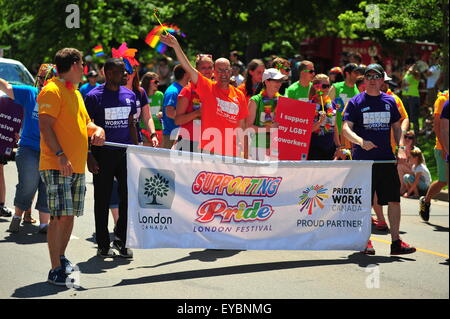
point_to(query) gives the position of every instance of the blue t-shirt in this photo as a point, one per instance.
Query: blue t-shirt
(86, 88)
(25, 96)
(372, 118)
(141, 101)
(170, 98)
(110, 110)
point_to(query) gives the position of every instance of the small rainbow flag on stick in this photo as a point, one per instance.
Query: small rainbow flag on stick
(98, 50)
(153, 37)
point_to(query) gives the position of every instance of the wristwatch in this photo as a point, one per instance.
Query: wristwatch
(153, 135)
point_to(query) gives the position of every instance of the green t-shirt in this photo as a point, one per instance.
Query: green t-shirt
(265, 116)
(345, 93)
(298, 92)
(412, 85)
(155, 101)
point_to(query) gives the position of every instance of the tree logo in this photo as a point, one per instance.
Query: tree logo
(156, 186)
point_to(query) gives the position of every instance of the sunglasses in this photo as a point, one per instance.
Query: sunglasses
(156, 82)
(321, 85)
(374, 77)
(309, 70)
(286, 68)
(409, 137)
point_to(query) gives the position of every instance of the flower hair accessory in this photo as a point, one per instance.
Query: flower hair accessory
(127, 55)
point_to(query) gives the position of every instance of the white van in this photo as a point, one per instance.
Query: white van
(15, 72)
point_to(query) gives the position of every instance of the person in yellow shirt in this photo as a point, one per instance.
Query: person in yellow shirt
(64, 128)
(439, 155)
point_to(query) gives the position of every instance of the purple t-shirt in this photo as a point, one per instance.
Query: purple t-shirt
(372, 118)
(110, 110)
(444, 115)
(141, 101)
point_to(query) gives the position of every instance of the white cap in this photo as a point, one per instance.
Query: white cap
(273, 74)
(386, 77)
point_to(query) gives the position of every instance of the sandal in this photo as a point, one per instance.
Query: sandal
(28, 219)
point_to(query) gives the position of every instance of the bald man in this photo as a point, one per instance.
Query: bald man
(224, 108)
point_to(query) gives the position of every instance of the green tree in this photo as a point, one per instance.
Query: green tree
(156, 186)
(409, 20)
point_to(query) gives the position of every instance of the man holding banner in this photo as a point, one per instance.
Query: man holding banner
(368, 118)
(65, 126)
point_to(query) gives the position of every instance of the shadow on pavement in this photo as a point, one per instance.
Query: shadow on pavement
(40, 289)
(356, 258)
(438, 228)
(27, 235)
(97, 265)
(207, 255)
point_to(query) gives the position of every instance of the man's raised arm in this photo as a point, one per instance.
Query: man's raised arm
(172, 42)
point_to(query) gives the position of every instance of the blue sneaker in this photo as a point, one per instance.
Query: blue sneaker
(57, 277)
(66, 265)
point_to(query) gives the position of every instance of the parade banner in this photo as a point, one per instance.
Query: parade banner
(295, 120)
(11, 115)
(200, 201)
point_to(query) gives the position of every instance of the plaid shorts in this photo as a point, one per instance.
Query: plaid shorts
(65, 195)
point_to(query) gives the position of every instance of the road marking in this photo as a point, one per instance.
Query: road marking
(418, 249)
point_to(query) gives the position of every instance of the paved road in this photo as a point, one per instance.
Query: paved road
(206, 274)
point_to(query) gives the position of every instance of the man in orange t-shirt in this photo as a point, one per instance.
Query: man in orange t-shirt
(224, 107)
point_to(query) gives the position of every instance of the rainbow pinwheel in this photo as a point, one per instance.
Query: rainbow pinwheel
(153, 37)
(127, 55)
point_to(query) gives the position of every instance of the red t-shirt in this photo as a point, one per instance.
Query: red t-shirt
(194, 103)
(221, 111)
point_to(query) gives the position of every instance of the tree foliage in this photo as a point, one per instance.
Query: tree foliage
(35, 29)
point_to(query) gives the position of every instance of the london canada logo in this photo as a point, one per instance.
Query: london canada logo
(156, 192)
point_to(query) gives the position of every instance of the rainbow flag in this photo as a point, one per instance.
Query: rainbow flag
(153, 37)
(98, 50)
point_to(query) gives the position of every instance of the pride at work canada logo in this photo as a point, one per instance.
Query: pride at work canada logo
(312, 197)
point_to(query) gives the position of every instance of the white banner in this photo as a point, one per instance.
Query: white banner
(204, 202)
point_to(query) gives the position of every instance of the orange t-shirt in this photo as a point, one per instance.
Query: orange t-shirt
(67, 107)
(438, 106)
(222, 111)
(403, 114)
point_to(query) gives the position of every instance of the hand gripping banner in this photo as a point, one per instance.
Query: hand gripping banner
(202, 201)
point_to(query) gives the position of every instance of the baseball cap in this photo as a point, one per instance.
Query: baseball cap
(386, 77)
(273, 74)
(376, 68)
